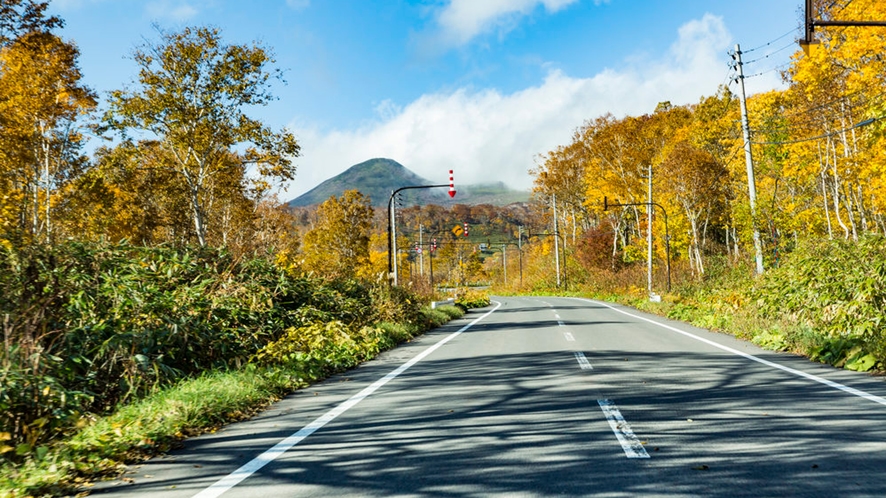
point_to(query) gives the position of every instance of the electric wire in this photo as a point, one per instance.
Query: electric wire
(770, 42)
(826, 135)
(791, 44)
(776, 68)
(788, 114)
(837, 100)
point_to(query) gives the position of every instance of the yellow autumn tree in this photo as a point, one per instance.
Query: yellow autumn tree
(338, 244)
(41, 103)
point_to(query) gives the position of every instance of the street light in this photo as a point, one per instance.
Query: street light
(392, 227)
(606, 205)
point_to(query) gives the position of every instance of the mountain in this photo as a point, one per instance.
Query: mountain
(375, 178)
(378, 177)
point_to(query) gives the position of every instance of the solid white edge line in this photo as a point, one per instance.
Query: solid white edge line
(583, 361)
(629, 442)
(815, 378)
(226, 483)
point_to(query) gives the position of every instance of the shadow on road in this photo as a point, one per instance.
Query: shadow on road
(529, 424)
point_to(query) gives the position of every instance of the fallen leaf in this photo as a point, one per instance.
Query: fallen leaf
(701, 467)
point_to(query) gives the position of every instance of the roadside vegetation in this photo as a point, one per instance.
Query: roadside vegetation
(818, 224)
(113, 352)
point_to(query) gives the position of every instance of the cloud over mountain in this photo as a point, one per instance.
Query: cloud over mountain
(486, 135)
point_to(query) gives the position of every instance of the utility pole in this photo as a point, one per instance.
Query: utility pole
(520, 249)
(749, 160)
(504, 263)
(421, 252)
(392, 240)
(556, 240)
(649, 234)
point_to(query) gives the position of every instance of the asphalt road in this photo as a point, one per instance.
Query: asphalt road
(551, 397)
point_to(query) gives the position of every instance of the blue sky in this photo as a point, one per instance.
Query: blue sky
(479, 86)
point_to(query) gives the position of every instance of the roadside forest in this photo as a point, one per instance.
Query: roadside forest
(819, 156)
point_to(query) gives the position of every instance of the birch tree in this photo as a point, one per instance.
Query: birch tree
(191, 95)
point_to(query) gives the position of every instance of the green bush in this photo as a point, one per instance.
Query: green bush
(832, 296)
(89, 327)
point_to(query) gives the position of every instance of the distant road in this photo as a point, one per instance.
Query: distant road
(551, 397)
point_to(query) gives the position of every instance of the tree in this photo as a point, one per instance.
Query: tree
(20, 17)
(41, 100)
(697, 182)
(338, 245)
(192, 93)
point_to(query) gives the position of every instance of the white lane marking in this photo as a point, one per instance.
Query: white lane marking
(253, 466)
(568, 336)
(560, 323)
(629, 442)
(815, 378)
(583, 361)
(557, 316)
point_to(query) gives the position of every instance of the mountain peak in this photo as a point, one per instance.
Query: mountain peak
(376, 178)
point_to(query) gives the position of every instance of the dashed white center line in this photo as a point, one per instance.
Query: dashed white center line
(583, 361)
(629, 442)
(569, 337)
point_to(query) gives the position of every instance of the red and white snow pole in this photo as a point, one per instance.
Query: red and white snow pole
(451, 185)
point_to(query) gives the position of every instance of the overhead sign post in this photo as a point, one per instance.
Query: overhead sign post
(808, 39)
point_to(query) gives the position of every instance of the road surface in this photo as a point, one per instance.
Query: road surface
(550, 397)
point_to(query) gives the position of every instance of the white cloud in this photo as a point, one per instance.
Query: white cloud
(462, 20)
(488, 136)
(172, 10)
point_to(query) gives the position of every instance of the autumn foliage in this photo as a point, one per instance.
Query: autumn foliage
(817, 148)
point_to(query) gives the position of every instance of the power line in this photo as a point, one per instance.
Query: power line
(838, 100)
(787, 115)
(791, 44)
(826, 135)
(776, 68)
(770, 42)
